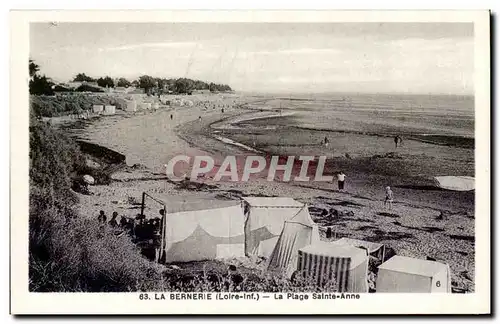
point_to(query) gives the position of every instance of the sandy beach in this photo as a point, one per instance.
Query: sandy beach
(424, 222)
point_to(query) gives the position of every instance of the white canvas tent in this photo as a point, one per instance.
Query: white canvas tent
(130, 105)
(109, 110)
(97, 109)
(329, 261)
(374, 249)
(402, 274)
(144, 105)
(298, 232)
(265, 218)
(456, 183)
(199, 229)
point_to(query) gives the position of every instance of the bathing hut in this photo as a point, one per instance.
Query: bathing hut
(97, 109)
(109, 110)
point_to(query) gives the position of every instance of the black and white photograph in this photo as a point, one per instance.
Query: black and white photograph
(256, 161)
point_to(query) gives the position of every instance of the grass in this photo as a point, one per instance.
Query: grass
(67, 251)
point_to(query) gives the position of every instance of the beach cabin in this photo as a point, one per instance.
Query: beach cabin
(145, 105)
(109, 110)
(130, 105)
(329, 262)
(97, 109)
(402, 274)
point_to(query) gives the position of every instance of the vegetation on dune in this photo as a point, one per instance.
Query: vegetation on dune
(68, 252)
(75, 103)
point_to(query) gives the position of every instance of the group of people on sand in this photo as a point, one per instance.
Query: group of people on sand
(131, 225)
(389, 195)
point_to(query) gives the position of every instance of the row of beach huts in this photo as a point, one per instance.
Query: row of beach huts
(140, 102)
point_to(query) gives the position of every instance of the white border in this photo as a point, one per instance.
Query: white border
(24, 302)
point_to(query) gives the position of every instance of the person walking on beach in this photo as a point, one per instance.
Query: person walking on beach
(326, 141)
(389, 197)
(397, 140)
(341, 180)
(171, 116)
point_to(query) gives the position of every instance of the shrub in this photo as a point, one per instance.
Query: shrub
(66, 252)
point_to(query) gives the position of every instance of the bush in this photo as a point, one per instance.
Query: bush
(86, 256)
(66, 252)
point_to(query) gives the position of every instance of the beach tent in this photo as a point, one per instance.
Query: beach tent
(374, 249)
(457, 183)
(203, 230)
(109, 110)
(298, 232)
(329, 261)
(145, 105)
(265, 218)
(97, 109)
(130, 105)
(409, 275)
(155, 106)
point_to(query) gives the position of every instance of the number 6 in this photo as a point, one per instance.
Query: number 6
(438, 283)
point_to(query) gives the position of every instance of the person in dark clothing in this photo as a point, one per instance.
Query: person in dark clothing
(171, 116)
(113, 221)
(235, 279)
(328, 232)
(102, 217)
(397, 140)
(123, 222)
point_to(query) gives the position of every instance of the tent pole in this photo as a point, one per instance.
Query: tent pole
(142, 204)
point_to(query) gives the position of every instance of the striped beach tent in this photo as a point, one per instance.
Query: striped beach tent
(325, 262)
(298, 232)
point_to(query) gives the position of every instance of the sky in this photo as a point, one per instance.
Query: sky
(429, 58)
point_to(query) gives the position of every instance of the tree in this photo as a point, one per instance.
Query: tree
(39, 84)
(122, 82)
(184, 85)
(106, 82)
(147, 83)
(82, 77)
(34, 68)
